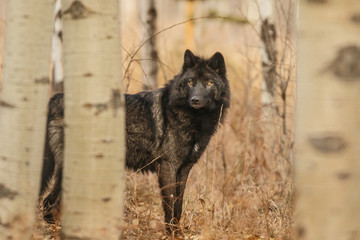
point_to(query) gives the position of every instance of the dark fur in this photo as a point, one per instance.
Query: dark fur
(167, 131)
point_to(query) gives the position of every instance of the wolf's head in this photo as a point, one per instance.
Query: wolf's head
(202, 83)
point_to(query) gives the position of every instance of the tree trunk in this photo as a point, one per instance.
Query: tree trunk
(149, 55)
(95, 121)
(328, 117)
(268, 54)
(269, 116)
(3, 7)
(57, 63)
(23, 113)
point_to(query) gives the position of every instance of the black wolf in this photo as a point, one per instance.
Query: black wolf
(167, 130)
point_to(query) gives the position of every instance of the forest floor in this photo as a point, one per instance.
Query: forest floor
(217, 206)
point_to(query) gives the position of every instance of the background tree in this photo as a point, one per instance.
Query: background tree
(268, 55)
(3, 8)
(23, 113)
(327, 144)
(148, 52)
(94, 113)
(269, 78)
(56, 54)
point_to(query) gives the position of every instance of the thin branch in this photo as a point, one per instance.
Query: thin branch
(132, 56)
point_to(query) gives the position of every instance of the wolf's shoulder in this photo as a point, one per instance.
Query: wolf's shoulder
(146, 97)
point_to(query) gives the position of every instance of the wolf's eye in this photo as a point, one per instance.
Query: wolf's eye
(190, 82)
(208, 83)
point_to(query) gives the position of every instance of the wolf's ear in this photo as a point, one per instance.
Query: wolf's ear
(217, 63)
(190, 60)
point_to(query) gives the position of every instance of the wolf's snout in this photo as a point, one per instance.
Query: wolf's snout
(195, 100)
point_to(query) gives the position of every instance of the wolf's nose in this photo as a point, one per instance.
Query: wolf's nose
(195, 100)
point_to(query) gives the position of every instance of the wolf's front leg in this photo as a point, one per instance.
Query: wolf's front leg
(51, 203)
(181, 179)
(55, 156)
(167, 183)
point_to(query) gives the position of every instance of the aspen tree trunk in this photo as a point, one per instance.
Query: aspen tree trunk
(94, 114)
(268, 54)
(23, 109)
(148, 52)
(57, 63)
(3, 8)
(328, 115)
(268, 97)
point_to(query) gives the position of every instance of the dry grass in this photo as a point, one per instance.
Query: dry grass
(232, 193)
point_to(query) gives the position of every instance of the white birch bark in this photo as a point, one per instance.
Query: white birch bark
(269, 117)
(3, 7)
(23, 108)
(58, 72)
(328, 116)
(95, 121)
(268, 54)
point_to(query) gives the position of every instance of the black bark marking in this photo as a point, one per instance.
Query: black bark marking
(107, 140)
(43, 80)
(60, 35)
(78, 10)
(88, 74)
(268, 37)
(343, 175)
(6, 192)
(78, 213)
(115, 101)
(356, 18)
(151, 52)
(301, 232)
(328, 143)
(107, 199)
(7, 105)
(346, 65)
(100, 107)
